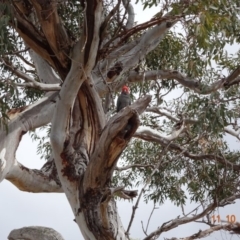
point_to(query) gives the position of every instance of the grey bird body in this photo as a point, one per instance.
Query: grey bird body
(123, 101)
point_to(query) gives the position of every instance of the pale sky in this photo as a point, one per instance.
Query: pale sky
(19, 209)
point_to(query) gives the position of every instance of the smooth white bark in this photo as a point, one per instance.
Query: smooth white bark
(32, 180)
(33, 116)
(44, 70)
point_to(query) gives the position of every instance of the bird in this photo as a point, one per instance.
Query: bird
(124, 98)
(123, 101)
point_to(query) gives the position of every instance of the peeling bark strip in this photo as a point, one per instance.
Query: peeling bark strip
(53, 30)
(36, 41)
(91, 29)
(93, 119)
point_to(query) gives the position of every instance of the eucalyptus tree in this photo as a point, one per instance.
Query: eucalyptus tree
(62, 64)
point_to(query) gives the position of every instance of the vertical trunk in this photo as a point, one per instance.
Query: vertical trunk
(97, 214)
(90, 153)
(100, 220)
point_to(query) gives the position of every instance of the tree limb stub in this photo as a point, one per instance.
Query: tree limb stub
(93, 19)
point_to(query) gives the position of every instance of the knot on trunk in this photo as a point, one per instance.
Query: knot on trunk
(74, 162)
(49, 169)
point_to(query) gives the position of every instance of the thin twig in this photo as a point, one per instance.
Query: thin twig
(144, 187)
(154, 208)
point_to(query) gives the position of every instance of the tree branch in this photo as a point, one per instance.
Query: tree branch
(23, 120)
(148, 131)
(133, 166)
(131, 16)
(230, 80)
(33, 180)
(44, 70)
(160, 112)
(232, 132)
(149, 134)
(53, 30)
(170, 116)
(147, 182)
(132, 53)
(93, 20)
(179, 221)
(36, 41)
(40, 86)
(16, 72)
(188, 82)
(207, 232)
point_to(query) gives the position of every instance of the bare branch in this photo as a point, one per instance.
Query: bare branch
(40, 86)
(207, 232)
(23, 120)
(188, 82)
(130, 10)
(149, 134)
(107, 20)
(148, 180)
(162, 113)
(30, 81)
(149, 131)
(133, 166)
(36, 41)
(17, 72)
(230, 80)
(159, 111)
(93, 20)
(130, 54)
(44, 70)
(33, 180)
(179, 221)
(145, 230)
(232, 132)
(122, 193)
(53, 30)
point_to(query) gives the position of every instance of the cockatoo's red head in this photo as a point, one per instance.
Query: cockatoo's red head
(125, 89)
